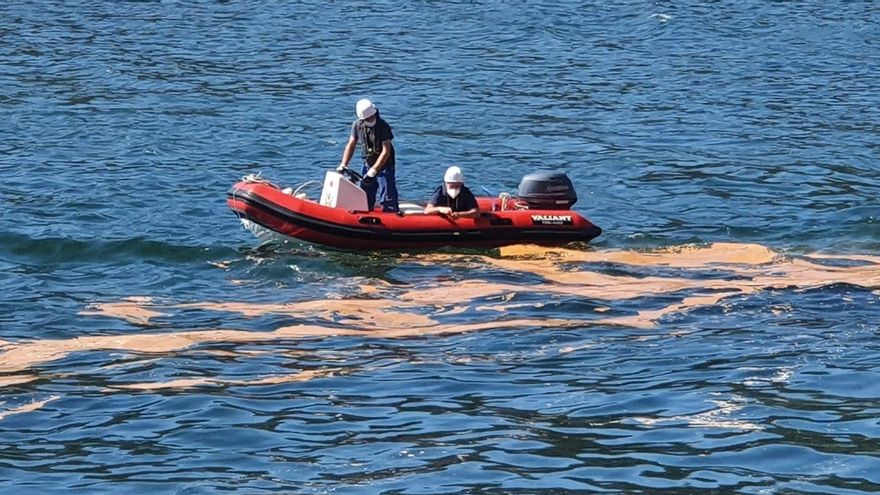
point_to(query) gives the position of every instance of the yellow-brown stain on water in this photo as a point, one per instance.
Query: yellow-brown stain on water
(382, 310)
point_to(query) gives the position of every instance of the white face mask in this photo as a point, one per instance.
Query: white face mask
(453, 192)
(370, 123)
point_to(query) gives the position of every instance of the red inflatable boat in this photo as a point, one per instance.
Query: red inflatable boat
(541, 214)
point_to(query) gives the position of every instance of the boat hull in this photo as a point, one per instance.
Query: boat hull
(270, 212)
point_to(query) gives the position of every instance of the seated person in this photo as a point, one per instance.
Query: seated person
(453, 199)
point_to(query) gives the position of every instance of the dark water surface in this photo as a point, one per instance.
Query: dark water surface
(720, 336)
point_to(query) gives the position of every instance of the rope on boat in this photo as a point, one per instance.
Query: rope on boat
(504, 197)
(304, 184)
(250, 179)
(258, 178)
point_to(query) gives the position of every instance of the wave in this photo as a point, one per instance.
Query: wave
(50, 251)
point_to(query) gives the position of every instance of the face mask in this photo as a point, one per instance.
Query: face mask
(453, 192)
(370, 123)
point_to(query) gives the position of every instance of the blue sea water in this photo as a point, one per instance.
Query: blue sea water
(681, 124)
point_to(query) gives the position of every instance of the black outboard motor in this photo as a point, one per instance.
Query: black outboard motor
(547, 191)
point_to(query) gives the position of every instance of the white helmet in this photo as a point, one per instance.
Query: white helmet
(365, 109)
(453, 174)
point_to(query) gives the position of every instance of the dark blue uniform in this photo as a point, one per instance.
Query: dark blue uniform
(463, 202)
(371, 139)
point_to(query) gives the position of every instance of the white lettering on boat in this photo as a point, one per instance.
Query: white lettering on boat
(551, 220)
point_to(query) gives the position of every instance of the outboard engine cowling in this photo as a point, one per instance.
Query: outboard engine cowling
(547, 191)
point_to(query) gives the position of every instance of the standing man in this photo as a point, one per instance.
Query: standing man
(378, 154)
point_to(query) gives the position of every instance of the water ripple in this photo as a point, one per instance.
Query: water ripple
(146, 347)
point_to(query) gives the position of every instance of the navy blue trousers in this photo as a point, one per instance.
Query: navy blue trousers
(384, 189)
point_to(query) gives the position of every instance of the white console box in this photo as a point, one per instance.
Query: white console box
(339, 192)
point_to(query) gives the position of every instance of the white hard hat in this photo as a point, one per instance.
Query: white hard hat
(365, 109)
(453, 174)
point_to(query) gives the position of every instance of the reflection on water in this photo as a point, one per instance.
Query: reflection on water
(32, 406)
(204, 381)
(718, 417)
